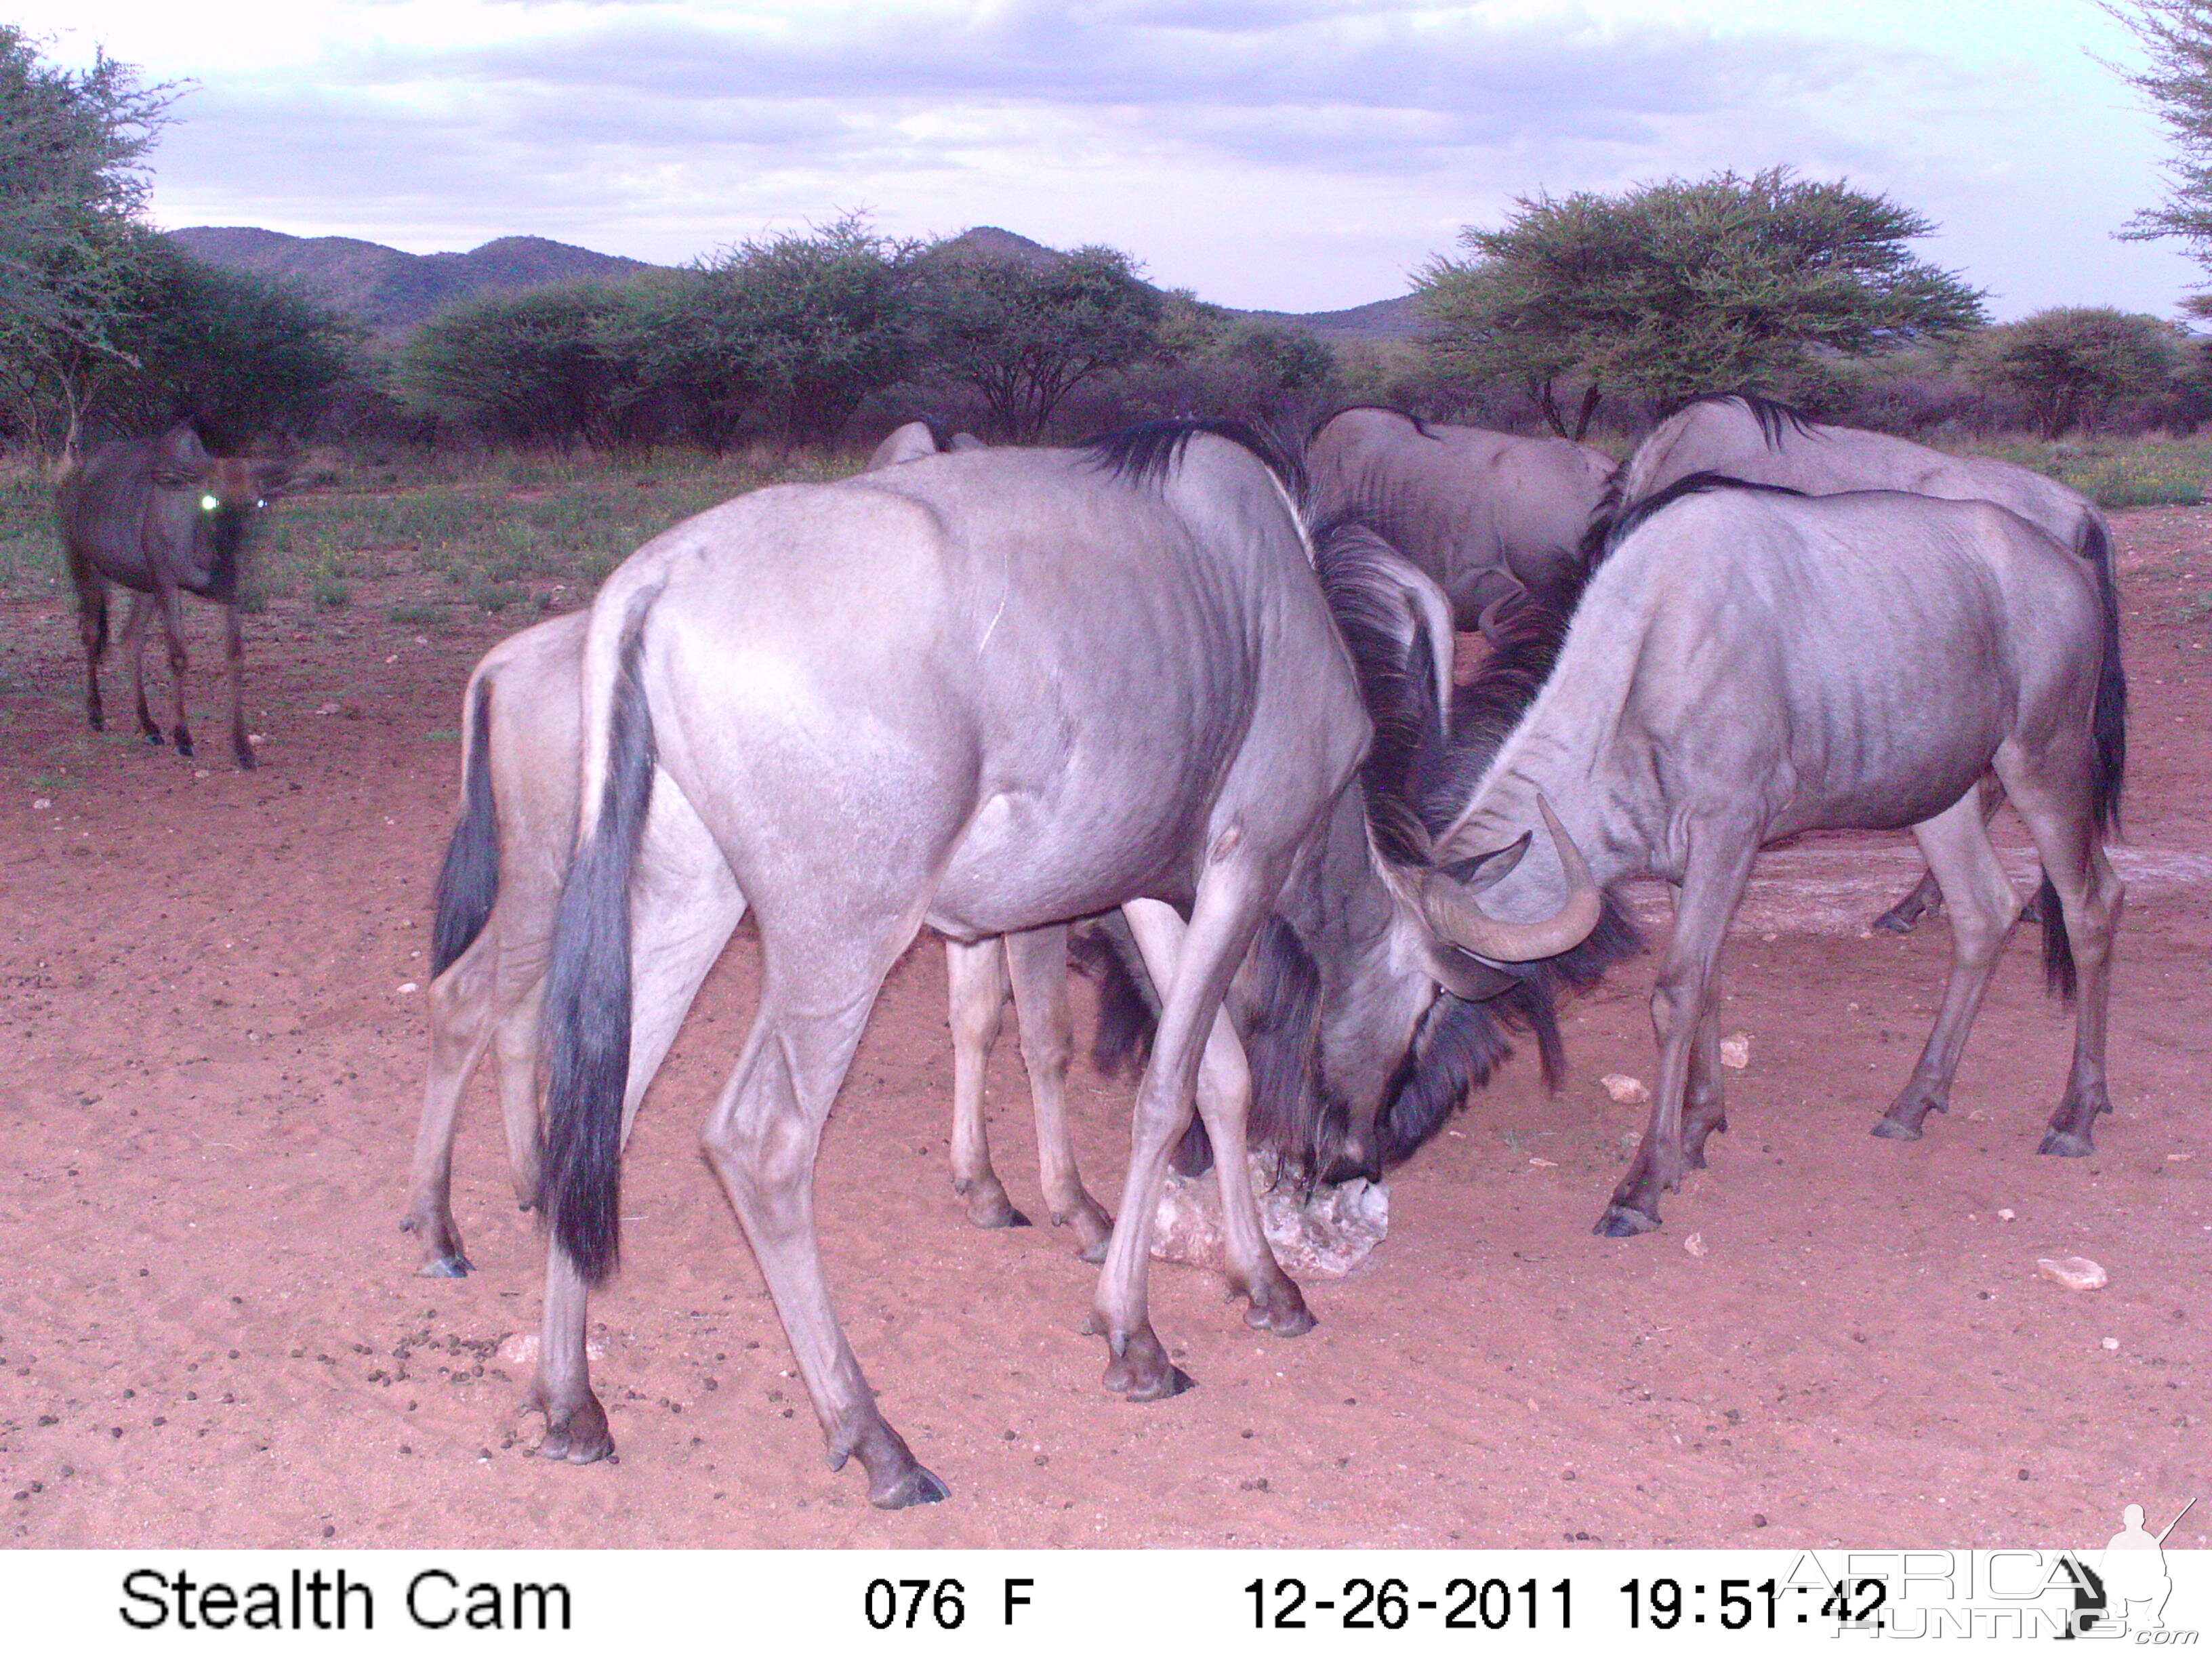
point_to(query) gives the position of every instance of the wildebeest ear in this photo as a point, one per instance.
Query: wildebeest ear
(179, 461)
(1486, 870)
(1468, 978)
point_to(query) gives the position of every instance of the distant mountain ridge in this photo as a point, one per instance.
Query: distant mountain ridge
(392, 292)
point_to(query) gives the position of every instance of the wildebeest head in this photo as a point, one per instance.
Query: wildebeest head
(1386, 991)
(203, 506)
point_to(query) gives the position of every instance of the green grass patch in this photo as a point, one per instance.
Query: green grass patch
(2117, 472)
(415, 616)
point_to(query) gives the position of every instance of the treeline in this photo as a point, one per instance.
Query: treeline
(1582, 314)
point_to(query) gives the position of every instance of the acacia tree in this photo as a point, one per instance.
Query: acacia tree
(1025, 333)
(527, 368)
(802, 325)
(1686, 287)
(72, 251)
(2177, 36)
(2072, 362)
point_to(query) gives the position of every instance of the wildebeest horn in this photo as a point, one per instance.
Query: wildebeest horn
(1449, 909)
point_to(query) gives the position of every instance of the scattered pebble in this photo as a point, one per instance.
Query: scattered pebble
(391, 660)
(1695, 1245)
(255, 739)
(2007, 1215)
(2075, 1272)
(1736, 1052)
(1625, 1090)
(409, 988)
(2179, 1157)
(1542, 1163)
(2110, 1344)
(328, 708)
(41, 805)
(1977, 1115)
(199, 771)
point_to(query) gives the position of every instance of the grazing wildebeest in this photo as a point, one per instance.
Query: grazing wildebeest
(163, 517)
(501, 881)
(982, 692)
(1748, 664)
(1742, 435)
(1485, 514)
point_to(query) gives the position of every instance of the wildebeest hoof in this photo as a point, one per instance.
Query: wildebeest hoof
(156, 740)
(1618, 1221)
(578, 1436)
(1898, 920)
(1140, 1369)
(246, 762)
(988, 1205)
(1279, 1307)
(1895, 1128)
(1094, 1228)
(444, 1266)
(2065, 1143)
(916, 1485)
(184, 743)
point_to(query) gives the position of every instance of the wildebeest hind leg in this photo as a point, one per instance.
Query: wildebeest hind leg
(762, 1139)
(2090, 901)
(233, 658)
(1983, 906)
(172, 624)
(1037, 965)
(461, 1018)
(975, 983)
(1704, 1112)
(1681, 1004)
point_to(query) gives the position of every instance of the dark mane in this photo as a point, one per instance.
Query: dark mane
(1776, 418)
(1697, 484)
(1413, 420)
(1144, 453)
(939, 439)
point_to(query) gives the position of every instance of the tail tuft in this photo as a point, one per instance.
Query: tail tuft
(587, 993)
(468, 881)
(2057, 949)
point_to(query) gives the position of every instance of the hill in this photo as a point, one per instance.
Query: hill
(390, 290)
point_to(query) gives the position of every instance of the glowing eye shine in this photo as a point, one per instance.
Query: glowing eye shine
(208, 503)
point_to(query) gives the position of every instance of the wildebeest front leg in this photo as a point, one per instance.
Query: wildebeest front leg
(92, 631)
(233, 657)
(1037, 964)
(975, 979)
(134, 650)
(762, 1139)
(1681, 1005)
(1225, 915)
(1705, 1111)
(172, 624)
(1982, 906)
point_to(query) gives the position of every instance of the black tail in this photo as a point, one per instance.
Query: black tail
(2109, 725)
(468, 882)
(2057, 949)
(587, 1010)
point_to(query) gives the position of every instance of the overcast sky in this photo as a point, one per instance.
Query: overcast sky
(1293, 155)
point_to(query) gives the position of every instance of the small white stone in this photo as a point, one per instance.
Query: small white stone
(2179, 1157)
(1735, 1051)
(42, 804)
(2110, 1344)
(2006, 1215)
(255, 739)
(1542, 1164)
(199, 771)
(1695, 1245)
(2075, 1272)
(328, 708)
(1625, 1090)
(409, 988)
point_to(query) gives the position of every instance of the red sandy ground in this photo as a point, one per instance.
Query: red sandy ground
(212, 1333)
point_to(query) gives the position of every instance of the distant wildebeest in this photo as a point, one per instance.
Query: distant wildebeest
(501, 882)
(985, 693)
(1749, 663)
(1762, 441)
(163, 517)
(1486, 514)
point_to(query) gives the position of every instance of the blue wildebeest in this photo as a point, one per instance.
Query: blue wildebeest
(163, 518)
(1762, 441)
(1486, 514)
(1748, 664)
(985, 693)
(501, 882)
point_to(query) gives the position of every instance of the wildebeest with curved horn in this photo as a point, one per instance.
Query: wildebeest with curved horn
(500, 884)
(1760, 440)
(983, 692)
(1748, 664)
(163, 517)
(1485, 515)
